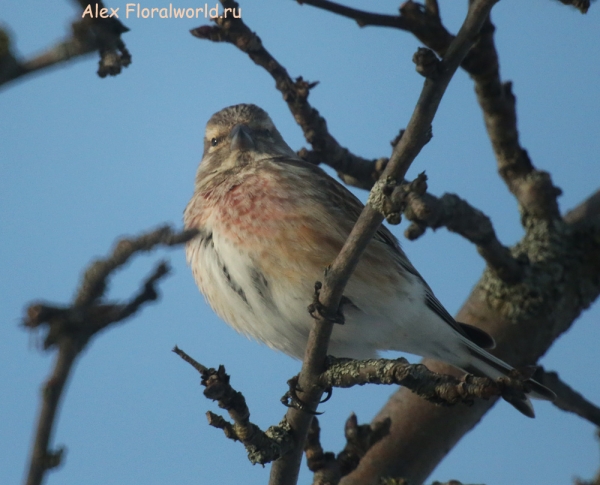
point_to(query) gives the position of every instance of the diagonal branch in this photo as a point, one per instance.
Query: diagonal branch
(69, 330)
(285, 470)
(353, 169)
(585, 211)
(362, 17)
(567, 398)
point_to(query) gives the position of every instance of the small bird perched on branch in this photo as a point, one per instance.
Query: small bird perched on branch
(269, 225)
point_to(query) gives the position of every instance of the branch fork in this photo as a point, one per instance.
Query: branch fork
(262, 446)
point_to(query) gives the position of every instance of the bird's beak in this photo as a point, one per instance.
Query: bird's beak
(241, 138)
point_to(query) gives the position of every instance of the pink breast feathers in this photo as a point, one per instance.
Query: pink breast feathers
(254, 208)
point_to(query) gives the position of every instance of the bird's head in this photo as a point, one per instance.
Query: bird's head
(240, 134)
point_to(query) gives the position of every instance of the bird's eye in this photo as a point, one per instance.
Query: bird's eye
(214, 142)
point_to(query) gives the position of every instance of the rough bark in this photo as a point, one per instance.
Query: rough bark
(525, 319)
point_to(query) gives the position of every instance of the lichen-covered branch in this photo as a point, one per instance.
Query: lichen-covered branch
(262, 446)
(524, 319)
(351, 168)
(567, 398)
(436, 388)
(70, 328)
(328, 468)
(88, 34)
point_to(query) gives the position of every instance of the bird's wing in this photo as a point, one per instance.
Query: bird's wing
(350, 207)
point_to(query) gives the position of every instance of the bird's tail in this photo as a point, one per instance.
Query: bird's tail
(484, 363)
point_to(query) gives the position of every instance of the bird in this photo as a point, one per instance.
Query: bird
(268, 225)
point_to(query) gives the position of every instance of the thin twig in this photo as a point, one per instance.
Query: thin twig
(285, 470)
(262, 446)
(362, 17)
(70, 329)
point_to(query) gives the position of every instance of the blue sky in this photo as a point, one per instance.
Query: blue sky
(85, 160)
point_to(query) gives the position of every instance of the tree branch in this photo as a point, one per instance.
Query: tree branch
(586, 211)
(328, 469)
(70, 329)
(524, 319)
(425, 210)
(362, 17)
(422, 21)
(262, 446)
(441, 389)
(581, 5)
(418, 131)
(567, 398)
(532, 188)
(351, 168)
(88, 35)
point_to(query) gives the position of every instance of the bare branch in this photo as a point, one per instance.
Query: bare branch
(425, 210)
(329, 469)
(567, 398)
(94, 281)
(262, 447)
(88, 34)
(285, 470)
(70, 329)
(532, 188)
(585, 211)
(356, 170)
(361, 17)
(581, 5)
(424, 23)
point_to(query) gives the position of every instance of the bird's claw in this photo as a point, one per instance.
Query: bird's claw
(328, 394)
(291, 399)
(317, 310)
